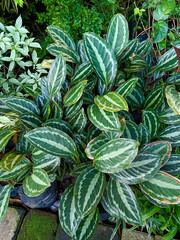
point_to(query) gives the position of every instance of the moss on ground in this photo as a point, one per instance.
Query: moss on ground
(38, 226)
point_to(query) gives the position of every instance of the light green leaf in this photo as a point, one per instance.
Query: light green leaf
(163, 11)
(10, 160)
(173, 98)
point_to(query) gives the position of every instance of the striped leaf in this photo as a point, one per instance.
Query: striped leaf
(120, 78)
(173, 165)
(94, 144)
(101, 57)
(127, 87)
(61, 37)
(156, 202)
(92, 133)
(81, 142)
(83, 71)
(68, 216)
(30, 121)
(21, 170)
(116, 155)
(111, 102)
(129, 50)
(87, 226)
(52, 141)
(122, 198)
(73, 109)
(144, 134)
(22, 144)
(144, 47)
(74, 94)
(81, 51)
(143, 168)
(105, 201)
(56, 75)
(22, 105)
(154, 98)
(135, 98)
(5, 136)
(36, 183)
(79, 168)
(10, 160)
(4, 199)
(69, 54)
(171, 134)
(168, 116)
(131, 131)
(88, 190)
(126, 115)
(49, 163)
(113, 135)
(173, 98)
(118, 33)
(91, 83)
(59, 124)
(4, 109)
(163, 187)
(88, 97)
(78, 121)
(106, 121)
(151, 121)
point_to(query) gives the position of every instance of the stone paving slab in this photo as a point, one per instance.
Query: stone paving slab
(135, 235)
(11, 223)
(38, 225)
(159, 238)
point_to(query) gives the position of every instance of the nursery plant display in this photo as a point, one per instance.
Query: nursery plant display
(109, 117)
(19, 67)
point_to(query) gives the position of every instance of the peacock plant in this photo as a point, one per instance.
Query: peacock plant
(103, 118)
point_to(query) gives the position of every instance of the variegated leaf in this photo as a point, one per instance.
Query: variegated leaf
(118, 33)
(56, 75)
(106, 121)
(173, 98)
(154, 99)
(92, 133)
(127, 87)
(10, 160)
(4, 199)
(36, 183)
(129, 50)
(151, 121)
(116, 155)
(111, 102)
(105, 201)
(61, 37)
(22, 144)
(113, 135)
(88, 190)
(73, 109)
(143, 168)
(22, 105)
(163, 187)
(79, 168)
(173, 165)
(87, 226)
(74, 94)
(101, 57)
(52, 141)
(68, 216)
(136, 98)
(30, 121)
(171, 134)
(168, 116)
(144, 134)
(78, 121)
(122, 198)
(131, 131)
(5, 135)
(83, 71)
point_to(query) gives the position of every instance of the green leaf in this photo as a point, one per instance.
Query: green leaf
(30, 121)
(131, 131)
(88, 190)
(22, 144)
(161, 31)
(4, 199)
(173, 98)
(79, 168)
(87, 226)
(111, 102)
(163, 187)
(164, 10)
(68, 216)
(122, 198)
(118, 33)
(144, 134)
(106, 121)
(22, 105)
(130, 49)
(143, 168)
(151, 121)
(5, 136)
(83, 71)
(36, 183)
(74, 94)
(135, 98)
(171, 134)
(52, 141)
(127, 87)
(61, 37)
(73, 109)
(116, 155)
(101, 57)
(10, 160)
(154, 99)
(56, 76)
(173, 165)
(78, 121)
(168, 116)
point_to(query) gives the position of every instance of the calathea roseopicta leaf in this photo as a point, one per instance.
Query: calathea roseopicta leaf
(168, 116)
(173, 165)
(154, 99)
(79, 168)
(115, 155)
(73, 109)
(171, 134)
(151, 121)
(5, 135)
(127, 87)
(78, 121)
(10, 160)
(111, 102)
(88, 190)
(31, 121)
(101, 57)
(131, 131)
(4, 199)
(144, 134)
(173, 98)
(83, 71)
